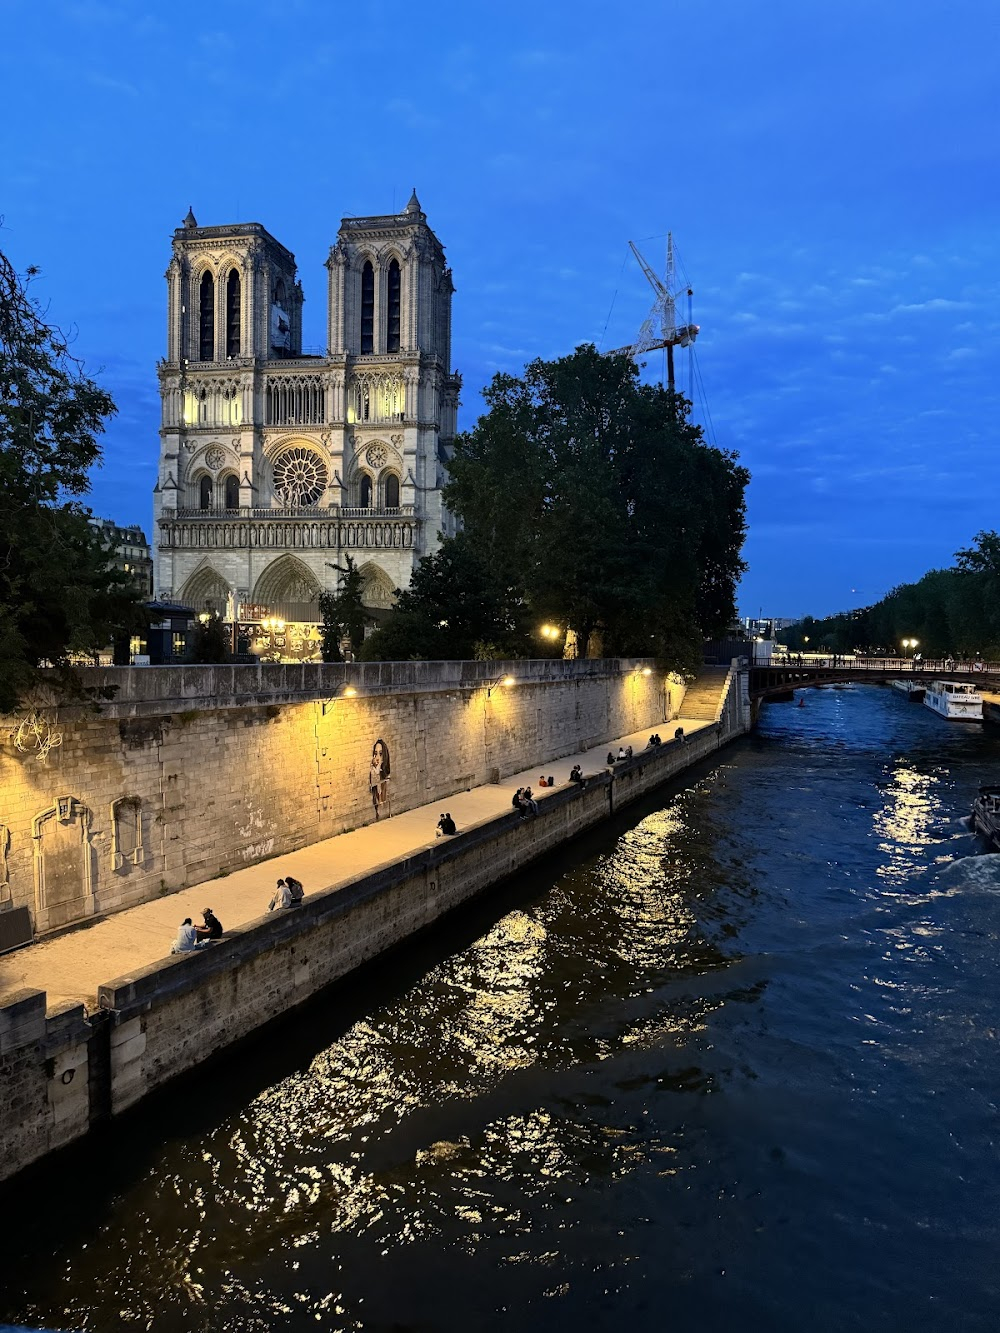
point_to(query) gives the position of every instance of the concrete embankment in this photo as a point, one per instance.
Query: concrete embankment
(67, 1069)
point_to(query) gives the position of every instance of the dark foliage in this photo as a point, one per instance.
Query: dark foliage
(589, 501)
(950, 612)
(58, 594)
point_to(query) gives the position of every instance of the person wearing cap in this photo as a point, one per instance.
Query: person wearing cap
(211, 930)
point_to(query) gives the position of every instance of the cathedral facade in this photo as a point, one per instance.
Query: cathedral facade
(275, 464)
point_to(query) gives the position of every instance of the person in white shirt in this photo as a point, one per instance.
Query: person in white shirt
(186, 936)
(282, 898)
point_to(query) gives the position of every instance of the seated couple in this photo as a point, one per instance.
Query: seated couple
(524, 802)
(191, 937)
(289, 893)
(446, 826)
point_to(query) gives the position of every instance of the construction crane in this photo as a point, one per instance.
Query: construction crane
(660, 328)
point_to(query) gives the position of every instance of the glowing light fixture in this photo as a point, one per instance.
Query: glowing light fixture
(503, 680)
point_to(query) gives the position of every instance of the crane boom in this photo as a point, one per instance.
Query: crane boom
(660, 327)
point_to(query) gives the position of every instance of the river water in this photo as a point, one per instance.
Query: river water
(729, 1062)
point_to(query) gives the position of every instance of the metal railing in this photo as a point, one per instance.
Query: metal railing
(937, 666)
(305, 515)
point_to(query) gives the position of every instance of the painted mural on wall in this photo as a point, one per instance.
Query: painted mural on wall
(378, 779)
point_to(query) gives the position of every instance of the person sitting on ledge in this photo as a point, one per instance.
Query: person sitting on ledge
(447, 826)
(282, 897)
(679, 735)
(186, 937)
(528, 801)
(628, 752)
(211, 930)
(651, 743)
(543, 781)
(295, 890)
(516, 802)
(621, 754)
(576, 774)
(610, 759)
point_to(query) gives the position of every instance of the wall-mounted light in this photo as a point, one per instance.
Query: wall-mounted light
(503, 680)
(345, 692)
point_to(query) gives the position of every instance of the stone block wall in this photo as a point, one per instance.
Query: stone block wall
(63, 1072)
(193, 772)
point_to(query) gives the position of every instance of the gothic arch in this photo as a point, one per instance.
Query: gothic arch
(277, 444)
(284, 580)
(206, 590)
(379, 589)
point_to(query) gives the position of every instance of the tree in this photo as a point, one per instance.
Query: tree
(457, 599)
(209, 643)
(603, 505)
(949, 611)
(343, 612)
(58, 593)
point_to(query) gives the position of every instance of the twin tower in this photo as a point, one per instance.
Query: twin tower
(276, 461)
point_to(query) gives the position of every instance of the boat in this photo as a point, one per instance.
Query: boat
(986, 814)
(956, 700)
(914, 692)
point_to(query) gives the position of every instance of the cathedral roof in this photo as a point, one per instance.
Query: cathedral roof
(190, 221)
(414, 205)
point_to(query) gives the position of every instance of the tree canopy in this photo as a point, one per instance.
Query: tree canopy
(58, 593)
(952, 611)
(590, 501)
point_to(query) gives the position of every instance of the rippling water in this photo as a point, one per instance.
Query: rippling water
(731, 1062)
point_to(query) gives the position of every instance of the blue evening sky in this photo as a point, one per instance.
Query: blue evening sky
(829, 171)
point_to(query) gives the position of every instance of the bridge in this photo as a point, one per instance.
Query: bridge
(779, 676)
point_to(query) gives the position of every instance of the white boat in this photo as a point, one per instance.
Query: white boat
(955, 699)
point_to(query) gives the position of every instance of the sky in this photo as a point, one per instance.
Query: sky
(829, 172)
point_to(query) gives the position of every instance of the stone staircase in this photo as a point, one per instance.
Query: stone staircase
(703, 697)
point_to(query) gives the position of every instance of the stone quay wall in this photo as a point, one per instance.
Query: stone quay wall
(64, 1072)
(189, 773)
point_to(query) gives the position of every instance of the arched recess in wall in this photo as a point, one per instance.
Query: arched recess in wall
(206, 317)
(230, 491)
(393, 296)
(206, 590)
(390, 490)
(378, 591)
(290, 589)
(233, 313)
(365, 491)
(205, 492)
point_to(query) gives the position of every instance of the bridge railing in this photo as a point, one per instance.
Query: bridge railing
(941, 666)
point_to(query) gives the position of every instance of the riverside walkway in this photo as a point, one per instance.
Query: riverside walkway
(71, 966)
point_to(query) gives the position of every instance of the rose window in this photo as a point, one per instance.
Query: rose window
(215, 457)
(376, 455)
(299, 478)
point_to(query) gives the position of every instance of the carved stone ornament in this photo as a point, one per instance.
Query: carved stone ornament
(376, 455)
(215, 456)
(397, 440)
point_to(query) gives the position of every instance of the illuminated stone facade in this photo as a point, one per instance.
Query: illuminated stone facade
(276, 463)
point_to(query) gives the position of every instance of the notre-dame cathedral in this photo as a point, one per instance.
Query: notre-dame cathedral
(276, 463)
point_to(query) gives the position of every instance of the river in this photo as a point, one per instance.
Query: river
(730, 1062)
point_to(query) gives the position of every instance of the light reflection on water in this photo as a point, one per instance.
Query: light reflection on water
(734, 1061)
